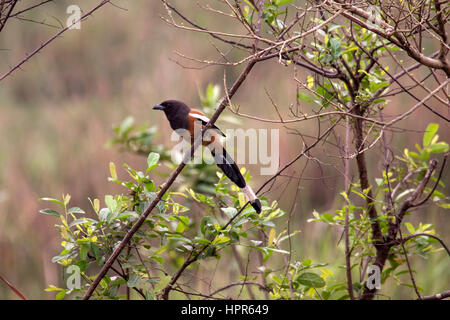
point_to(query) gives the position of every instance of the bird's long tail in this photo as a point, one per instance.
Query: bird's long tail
(231, 170)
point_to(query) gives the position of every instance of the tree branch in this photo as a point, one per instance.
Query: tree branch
(42, 46)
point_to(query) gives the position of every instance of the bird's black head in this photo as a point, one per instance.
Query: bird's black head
(176, 112)
(172, 107)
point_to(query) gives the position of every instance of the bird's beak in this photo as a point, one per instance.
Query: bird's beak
(158, 107)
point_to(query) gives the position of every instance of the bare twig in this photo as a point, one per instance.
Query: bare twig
(42, 46)
(438, 296)
(14, 289)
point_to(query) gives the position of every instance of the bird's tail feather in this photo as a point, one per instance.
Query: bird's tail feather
(231, 170)
(254, 201)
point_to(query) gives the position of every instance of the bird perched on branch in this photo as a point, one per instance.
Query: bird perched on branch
(183, 118)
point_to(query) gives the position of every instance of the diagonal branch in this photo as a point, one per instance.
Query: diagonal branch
(8, 14)
(16, 291)
(42, 46)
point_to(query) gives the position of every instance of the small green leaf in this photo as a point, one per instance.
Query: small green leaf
(310, 279)
(439, 147)
(52, 200)
(61, 295)
(152, 160)
(60, 257)
(306, 262)
(304, 97)
(220, 239)
(204, 223)
(126, 125)
(429, 133)
(282, 2)
(183, 224)
(230, 211)
(334, 27)
(112, 170)
(84, 249)
(345, 196)
(410, 227)
(77, 222)
(50, 212)
(335, 46)
(328, 217)
(133, 281)
(76, 210)
(111, 203)
(53, 288)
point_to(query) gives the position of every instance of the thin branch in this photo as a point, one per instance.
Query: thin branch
(30, 8)
(234, 284)
(348, 264)
(14, 289)
(423, 234)
(411, 274)
(438, 296)
(42, 46)
(8, 14)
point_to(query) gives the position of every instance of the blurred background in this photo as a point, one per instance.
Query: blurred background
(57, 113)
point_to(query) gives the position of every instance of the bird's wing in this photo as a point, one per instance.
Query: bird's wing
(204, 119)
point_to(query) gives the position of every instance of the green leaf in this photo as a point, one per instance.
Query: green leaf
(310, 279)
(270, 249)
(111, 203)
(152, 160)
(127, 214)
(50, 212)
(345, 196)
(52, 200)
(328, 217)
(126, 125)
(133, 281)
(282, 2)
(77, 222)
(61, 295)
(335, 46)
(334, 27)
(220, 239)
(103, 214)
(375, 86)
(304, 97)
(429, 133)
(60, 257)
(204, 223)
(76, 210)
(201, 240)
(112, 170)
(439, 147)
(183, 224)
(53, 288)
(84, 249)
(230, 211)
(410, 227)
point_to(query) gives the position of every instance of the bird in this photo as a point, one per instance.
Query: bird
(180, 116)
